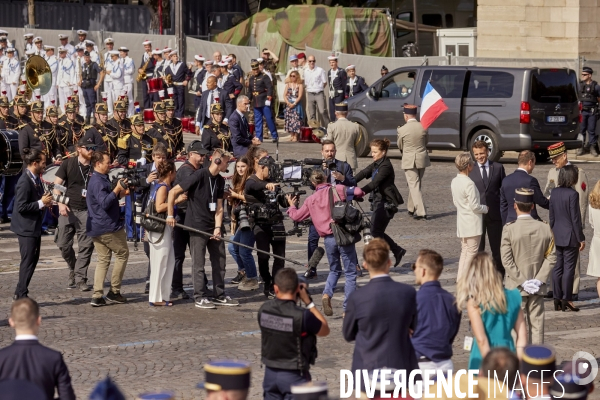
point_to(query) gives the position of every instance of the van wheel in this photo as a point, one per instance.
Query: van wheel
(363, 146)
(490, 138)
(542, 156)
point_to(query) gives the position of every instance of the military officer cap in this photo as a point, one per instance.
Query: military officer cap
(28, 36)
(538, 360)
(568, 384)
(114, 52)
(48, 47)
(587, 70)
(260, 60)
(71, 107)
(10, 50)
(343, 107)
(216, 108)
(62, 36)
(524, 195)
(37, 106)
(159, 107)
(86, 53)
(137, 119)
(101, 108)
(169, 104)
(123, 48)
(74, 100)
(226, 375)
(30, 52)
(3, 32)
(89, 43)
(254, 64)
(120, 105)
(61, 49)
(557, 149)
(3, 39)
(409, 109)
(109, 40)
(197, 147)
(4, 101)
(37, 39)
(310, 391)
(80, 48)
(52, 111)
(21, 101)
(81, 32)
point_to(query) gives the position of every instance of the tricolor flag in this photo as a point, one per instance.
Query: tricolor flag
(432, 106)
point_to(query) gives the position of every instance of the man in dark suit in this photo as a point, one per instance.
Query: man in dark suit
(26, 222)
(209, 96)
(241, 140)
(26, 359)
(381, 300)
(488, 177)
(521, 178)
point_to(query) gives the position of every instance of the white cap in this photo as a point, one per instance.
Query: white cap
(332, 57)
(209, 62)
(108, 40)
(145, 42)
(81, 32)
(222, 63)
(173, 53)
(78, 47)
(157, 51)
(30, 52)
(228, 59)
(3, 32)
(89, 43)
(62, 36)
(37, 39)
(260, 60)
(350, 67)
(48, 47)
(123, 48)
(10, 49)
(113, 53)
(28, 35)
(199, 57)
(61, 49)
(167, 50)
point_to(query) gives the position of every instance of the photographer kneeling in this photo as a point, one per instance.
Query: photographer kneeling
(288, 353)
(318, 207)
(268, 229)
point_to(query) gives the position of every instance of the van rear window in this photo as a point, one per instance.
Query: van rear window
(554, 86)
(490, 85)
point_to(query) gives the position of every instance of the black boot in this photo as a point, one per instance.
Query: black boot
(583, 150)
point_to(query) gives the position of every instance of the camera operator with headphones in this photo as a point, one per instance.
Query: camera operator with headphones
(342, 174)
(254, 193)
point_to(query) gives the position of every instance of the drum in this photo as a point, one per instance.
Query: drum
(178, 164)
(306, 135)
(316, 139)
(49, 175)
(154, 85)
(11, 162)
(187, 124)
(148, 115)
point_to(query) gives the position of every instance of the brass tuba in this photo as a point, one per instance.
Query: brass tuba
(39, 75)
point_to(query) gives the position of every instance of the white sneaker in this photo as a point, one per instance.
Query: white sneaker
(205, 303)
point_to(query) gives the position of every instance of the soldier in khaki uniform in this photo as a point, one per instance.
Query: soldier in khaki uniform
(412, 142)
(346, 135)
(558, 155)
(528, 256)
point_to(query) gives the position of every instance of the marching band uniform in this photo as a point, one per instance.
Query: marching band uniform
(216, 136)
(11, 73)
(173, 131)
(179, 73)
(68, 46)
(66, 79)
(116, 74)
(108, 81)
(197, 80)
(29, 46)
(355, 85)
(79, 61)
(123, 127)
(231, 85)
(73, 131)
(128, 71)
(109, 133)
(53, 64)
(149, 70)
(29, 133)
(39, 49)
(49, 135)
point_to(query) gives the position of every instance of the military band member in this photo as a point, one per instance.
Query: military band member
(82, 36)
(216, 135)
(73, 130)
(119, 121)
(79, 60)
(18, 115)
(7, 183)
(345, 135)
(528, 255)
(336, 80)
(91, 48)
(173, 130)
(66, 78)
(197, 80)
(39, 47)
(159, 127)
(64, 42)
(356, 84)
(180, 75)
(128, 78)
(52, 61)
(29, 46)
(558, 155)
(50, 132)
(78, 117)
(235, 69)
(11, 73)
(109, 133)
(132, 145)
(261, 94)
(147, 66)
(107, 66)
(29, 134)
(115, 70)
(230, 90)
(4, 114)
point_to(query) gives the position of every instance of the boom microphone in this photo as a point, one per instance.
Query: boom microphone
(313, 161)
(316, 258)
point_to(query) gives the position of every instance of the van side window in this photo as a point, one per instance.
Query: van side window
(490, 84)
(399, 86)
(448, 83)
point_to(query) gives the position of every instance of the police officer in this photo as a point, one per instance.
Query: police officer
(173, 130)
(91, 79)
(528, 255)
(590, 95)
(108, 132)
(119, 121)
(288, 351)
(345, 134)
(260, 94)
(216, 134)
(73, 130)
(226, 379)
(336, 80)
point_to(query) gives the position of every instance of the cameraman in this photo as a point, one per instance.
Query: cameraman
(288, 353)
(74, 173)
(341, 175)
(318, 207)
(105, 227)
(254, 193)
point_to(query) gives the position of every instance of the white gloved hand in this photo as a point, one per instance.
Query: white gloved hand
(537, 282)
(530, 286)
(142, 161)
(268, 103)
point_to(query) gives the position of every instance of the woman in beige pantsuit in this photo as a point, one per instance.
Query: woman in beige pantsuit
(594, 257)
(469, 218)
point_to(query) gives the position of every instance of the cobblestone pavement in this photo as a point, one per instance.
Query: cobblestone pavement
(146, 349)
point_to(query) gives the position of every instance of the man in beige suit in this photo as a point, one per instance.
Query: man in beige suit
(346, 135)
(558, 155)
(412, 142)
(528, 256)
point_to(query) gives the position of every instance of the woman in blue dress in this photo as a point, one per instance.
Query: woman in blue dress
(493, 310)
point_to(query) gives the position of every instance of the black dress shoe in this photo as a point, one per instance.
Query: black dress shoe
(557, 305)
(398, 255)
(130, 240)
(411, 213)
(420, 217)
(549, 294)
(575, 297)
(566, 305)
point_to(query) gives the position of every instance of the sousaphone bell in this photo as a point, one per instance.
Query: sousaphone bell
(38, 74)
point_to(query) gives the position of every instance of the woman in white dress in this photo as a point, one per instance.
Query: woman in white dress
(162, 257)
(594, 213)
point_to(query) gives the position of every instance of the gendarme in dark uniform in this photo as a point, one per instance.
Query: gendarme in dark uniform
(50, 135)
(4, 104)
(109, 133)
(73, 131)
(132, 145)
(216, 135)
(336, 81)
(14, 119)
(122, 125)
(29, 134)
(261, 92)
(173, 130)
(589, 92)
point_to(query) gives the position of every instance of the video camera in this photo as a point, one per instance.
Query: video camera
(133, 175)
(291, 171)
(59, 198)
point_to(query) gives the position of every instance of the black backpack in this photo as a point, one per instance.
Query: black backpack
(344, 213)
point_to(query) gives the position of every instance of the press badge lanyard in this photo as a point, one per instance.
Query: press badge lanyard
(85, 181)
(212, 206)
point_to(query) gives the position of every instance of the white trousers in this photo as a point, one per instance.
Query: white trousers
(51, 95)
(108, 88)
(129, 88)
(63, 93)
(162, 263)
(11, 90)
(82, 107)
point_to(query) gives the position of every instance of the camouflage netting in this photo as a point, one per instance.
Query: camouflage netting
(347, 30)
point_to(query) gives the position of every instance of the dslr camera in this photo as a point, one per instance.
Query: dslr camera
(134, 177)
(58, 198)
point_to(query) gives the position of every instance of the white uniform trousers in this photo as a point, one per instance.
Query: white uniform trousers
(51, 95)
(129, 88)
(63, 93)
(82, 107)
(108, 88)
(11, 90)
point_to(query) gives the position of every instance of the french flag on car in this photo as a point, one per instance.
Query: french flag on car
(432, 106)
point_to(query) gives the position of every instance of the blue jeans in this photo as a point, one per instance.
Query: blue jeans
(243, 256)
(313, 240)
(7, 188)
(277, 382)
(129, 218)
(350, 261)
(258, 125)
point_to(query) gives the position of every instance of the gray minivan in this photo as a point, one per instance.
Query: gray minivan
(509, 108)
